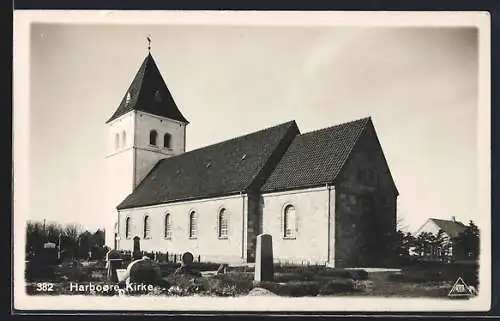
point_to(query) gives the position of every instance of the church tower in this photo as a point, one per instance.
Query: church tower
(146, 127)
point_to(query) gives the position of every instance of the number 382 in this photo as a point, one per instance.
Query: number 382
(45, 287)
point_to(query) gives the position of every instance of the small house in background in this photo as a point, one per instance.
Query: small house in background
(451, 229)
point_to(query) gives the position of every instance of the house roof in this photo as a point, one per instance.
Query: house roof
(149, 93)
(451, 228)
(225, 168)
(316, 158)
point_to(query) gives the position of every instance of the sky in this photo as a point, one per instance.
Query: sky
(419, 85)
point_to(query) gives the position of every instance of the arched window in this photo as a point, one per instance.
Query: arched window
(127, 228)
(289, 220)
(124, 138)
(117, 141)
(127, 99)
(223, 224)
(193, 225)
(147, 227)
(153, 135)
(168, 227)
(167, 140)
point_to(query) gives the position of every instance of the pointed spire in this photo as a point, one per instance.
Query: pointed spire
(149, 93)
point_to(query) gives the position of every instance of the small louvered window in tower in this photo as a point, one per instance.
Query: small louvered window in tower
(157, 97)
(127, 98)
(147, 227)
(167, 140)
(153, 136)
(193, 225)
(124, 138)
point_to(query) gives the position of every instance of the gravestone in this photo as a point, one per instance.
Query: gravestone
(222, 269)
(264, 270)
(144, 271)
(187, 260)
(76, 273)
(113, 262)
(136, 252)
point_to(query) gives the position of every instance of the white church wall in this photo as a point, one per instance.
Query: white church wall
(310, 243)
(144, 162)
(207, 244)
(119, 170)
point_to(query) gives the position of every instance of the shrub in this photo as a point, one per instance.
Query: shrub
(293, 288)
(418, 276)
(359, 275)
(248, 276)
(336, 286)
(287, 277)
(224, 285)
(302, 288)
(336, 273)
(437, 272)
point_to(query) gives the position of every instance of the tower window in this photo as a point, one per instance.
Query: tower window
(289, 221)
(168, 227)
(117, 141)
(147, 227)
(153, 136)
(193, 225)
(127, 99)
(124, 138)
(167, 140)
(157, 97)
(127, 228)
(223, 224)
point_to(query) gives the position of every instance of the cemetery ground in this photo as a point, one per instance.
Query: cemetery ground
(422, 279)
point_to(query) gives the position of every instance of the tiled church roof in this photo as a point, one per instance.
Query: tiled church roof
(229, 167)
(149, 93)
(274, 159)
(315, 158)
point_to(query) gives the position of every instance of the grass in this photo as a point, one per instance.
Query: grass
(432, 272)
(414, 281)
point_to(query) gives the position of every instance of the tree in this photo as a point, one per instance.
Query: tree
(443, 244)
(71, 232)
(400, 224)
(75, 240)
(423, 243)
(52, 232)
(34, 237)
(98, 239)
(466, 244)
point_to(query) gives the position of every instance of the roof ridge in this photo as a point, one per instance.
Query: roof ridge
(364, 119)
(230, 139)
(444, 220)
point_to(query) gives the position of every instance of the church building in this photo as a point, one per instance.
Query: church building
(326, 196)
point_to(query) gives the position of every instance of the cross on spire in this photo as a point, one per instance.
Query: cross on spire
(149, 43)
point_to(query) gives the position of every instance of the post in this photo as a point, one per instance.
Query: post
(136, 254)
(113, 260)
(264, 269)
(59, 248)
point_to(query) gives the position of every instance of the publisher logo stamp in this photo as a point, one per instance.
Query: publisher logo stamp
(461, 290)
